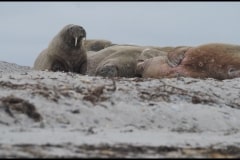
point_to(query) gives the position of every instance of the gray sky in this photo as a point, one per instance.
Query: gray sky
(26, 28)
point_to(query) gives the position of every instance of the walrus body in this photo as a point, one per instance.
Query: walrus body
(215, 60)
(110, 59)
(65, 52)
(119, 60)
(96, 44)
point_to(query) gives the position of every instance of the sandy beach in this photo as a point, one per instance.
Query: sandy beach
(62, 115)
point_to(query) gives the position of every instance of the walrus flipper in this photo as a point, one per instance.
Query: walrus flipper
(107, 70)
(175, 57)
(233, 73)
(58, 66)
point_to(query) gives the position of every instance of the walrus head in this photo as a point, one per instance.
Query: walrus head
(156, 67)
(73, 35)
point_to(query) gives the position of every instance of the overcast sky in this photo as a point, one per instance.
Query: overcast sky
(26, 28)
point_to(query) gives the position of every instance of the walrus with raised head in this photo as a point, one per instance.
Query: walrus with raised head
(66, 52)
(215, 60)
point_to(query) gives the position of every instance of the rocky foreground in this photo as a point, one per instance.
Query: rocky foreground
(63, 115)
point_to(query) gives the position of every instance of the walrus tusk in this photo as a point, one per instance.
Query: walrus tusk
(76, 41)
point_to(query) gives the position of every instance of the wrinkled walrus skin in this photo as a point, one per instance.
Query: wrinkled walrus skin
(119, 60)
(96, 44)
(215, 60)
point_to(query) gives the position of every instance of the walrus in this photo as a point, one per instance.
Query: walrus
(120, 64)
(152, 52)
(119, 60)
(65, 52)
(99, 62)
(214, 60)
(96, 44)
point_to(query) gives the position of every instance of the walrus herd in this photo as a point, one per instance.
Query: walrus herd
(70, 51)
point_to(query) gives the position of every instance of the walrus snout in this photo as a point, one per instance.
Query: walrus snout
(80, 35)
(73, 35)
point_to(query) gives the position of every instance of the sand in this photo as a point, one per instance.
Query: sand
(62, 115)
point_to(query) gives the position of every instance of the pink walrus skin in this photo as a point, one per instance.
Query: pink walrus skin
(214, 60)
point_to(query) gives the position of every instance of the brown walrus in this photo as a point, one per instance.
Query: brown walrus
(119, 60)
(215, 60)
(96, 44)
(151, 52)
(65, 52)
(110, 59)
